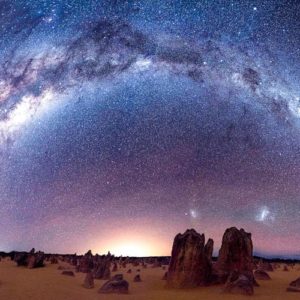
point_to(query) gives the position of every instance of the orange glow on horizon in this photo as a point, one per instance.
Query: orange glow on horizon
(132, 244)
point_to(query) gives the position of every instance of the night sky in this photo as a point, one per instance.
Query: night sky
(123, 123)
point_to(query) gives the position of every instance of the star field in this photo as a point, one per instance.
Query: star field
(123, 123)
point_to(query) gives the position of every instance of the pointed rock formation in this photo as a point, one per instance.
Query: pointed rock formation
(209, 248)
(102, 269)
(88, 281)
(285, 269)
(190, 264)
(86, 262)
(235, 254)
(115, 268)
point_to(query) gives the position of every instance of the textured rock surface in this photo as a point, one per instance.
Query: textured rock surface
(190, 264)
(261, 275)
(102, 269)
(294, 286)
(88, 281)
(114, 286)
(86, 262)
(236, 253)
(239, 284)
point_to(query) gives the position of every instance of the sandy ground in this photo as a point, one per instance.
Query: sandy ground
(17, 283)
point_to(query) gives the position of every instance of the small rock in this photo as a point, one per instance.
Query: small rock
(261, 275)
(114, 286)
(165, 277)
(68, 273)
(294, 286)
(137, 278)
(285, 269)
(239, 284)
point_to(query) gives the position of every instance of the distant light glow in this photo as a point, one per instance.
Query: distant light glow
(265, 215)
(193, 213)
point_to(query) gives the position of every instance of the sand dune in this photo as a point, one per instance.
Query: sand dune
(18, 283)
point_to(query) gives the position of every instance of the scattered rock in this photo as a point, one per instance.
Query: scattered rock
(30, 260)
(294, 286)
(261, 275)
(36, 260)
(68, 273)
(265, 266)
(285, 269)
(86, 262)
(137, 278)
(114, 286)
(89, 281)
(165, 277)
(102, 269)
(117, 277)
(53, 260)
(115, 268)
(239, 284)
(293, 289)
(129, 271)
(21, 259)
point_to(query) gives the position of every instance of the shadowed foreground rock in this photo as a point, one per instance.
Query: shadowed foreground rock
(261, 275)
(190, 264)
(235, 255)
(114, 286)
(294, 286)
(239, 284)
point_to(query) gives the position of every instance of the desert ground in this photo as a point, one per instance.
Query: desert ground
(20, 283)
